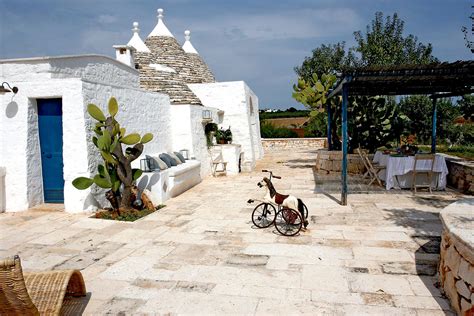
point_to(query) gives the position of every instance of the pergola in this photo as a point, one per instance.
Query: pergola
(439, 80)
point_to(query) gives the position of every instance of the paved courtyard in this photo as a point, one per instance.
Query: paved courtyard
(201, 255)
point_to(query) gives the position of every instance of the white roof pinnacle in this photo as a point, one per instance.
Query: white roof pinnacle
(136, 42)
(187, 46)
(160, 28)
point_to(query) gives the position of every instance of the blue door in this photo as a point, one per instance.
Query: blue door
(50, 124)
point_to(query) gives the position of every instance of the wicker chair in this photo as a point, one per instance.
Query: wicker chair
(37, 293)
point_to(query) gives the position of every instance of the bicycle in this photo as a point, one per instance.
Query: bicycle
(287, 220)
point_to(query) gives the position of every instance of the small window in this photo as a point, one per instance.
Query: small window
(123, 51)
(137, 66)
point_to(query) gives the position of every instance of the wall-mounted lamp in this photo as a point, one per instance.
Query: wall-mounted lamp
(185, 153)
(4, 90)
(147, 164)
(206, 115)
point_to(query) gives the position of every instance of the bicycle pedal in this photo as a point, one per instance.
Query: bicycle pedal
(250, 201)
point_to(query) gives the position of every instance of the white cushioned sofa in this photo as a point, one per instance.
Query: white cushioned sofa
(171, 182)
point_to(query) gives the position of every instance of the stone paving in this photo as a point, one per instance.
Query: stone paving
(201, 255)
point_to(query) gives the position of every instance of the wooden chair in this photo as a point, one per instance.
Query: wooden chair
(217, 161)
(429, 172)
(372, 170)
(37, 293)
(361, 152)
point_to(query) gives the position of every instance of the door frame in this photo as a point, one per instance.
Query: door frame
(39, 155)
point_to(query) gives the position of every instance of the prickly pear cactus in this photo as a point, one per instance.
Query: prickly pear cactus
(116, 172)
(373, 121)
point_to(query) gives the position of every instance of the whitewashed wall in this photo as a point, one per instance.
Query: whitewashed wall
(95, 68)
(254, 121)
(188, 133)
(19, 149)
(140, 111)
(233, 98)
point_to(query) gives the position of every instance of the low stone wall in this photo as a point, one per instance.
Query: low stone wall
(456, 267)
(461, 174)
(293, 143)
(331, 161)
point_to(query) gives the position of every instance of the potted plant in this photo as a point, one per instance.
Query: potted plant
(221, 136)
(228, 136)
(224, 136)
(210, 130)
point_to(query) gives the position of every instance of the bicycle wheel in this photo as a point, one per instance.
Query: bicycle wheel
(288, 222)
(263, 215)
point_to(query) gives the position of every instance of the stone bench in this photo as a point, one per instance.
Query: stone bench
(171, 182)
(456, 267)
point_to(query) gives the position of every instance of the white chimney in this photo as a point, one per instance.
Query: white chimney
(125, 54)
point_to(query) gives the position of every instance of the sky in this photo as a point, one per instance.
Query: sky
(258, 41)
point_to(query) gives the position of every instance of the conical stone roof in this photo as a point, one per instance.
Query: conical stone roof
(136, 41)
(164, 69)
(200, 72)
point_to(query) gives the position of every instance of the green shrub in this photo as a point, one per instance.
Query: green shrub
(284, 114)
(268, 130)
(317, 125)
(460, 134)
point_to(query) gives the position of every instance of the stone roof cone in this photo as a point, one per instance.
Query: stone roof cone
(199, 70)
(167, 70)
(160, 28)
(136, 42)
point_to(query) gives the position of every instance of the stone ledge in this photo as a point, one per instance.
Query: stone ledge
(297, 143)
(461, 174)
(458, 221)
(456, 267)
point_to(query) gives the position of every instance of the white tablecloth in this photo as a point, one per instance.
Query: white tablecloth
(399, 170)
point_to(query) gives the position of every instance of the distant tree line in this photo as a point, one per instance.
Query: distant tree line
(375, 121)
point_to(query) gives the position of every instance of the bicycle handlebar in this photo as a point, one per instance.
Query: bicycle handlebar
(271, 174)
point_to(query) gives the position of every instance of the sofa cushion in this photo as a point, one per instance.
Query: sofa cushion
(180, 156)
(168, 160)
(159, 163)
(183, 168)
(172, 155)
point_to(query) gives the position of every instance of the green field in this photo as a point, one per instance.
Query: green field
(282, 114)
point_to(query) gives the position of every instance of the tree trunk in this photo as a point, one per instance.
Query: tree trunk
(125, 202)
(112, 198)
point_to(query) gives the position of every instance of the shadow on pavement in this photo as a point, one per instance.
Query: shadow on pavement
(426, 229)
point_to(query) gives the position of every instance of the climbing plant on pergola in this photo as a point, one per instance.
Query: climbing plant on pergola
(439, 80)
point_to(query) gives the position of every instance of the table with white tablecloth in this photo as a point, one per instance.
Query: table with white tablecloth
(398, 172)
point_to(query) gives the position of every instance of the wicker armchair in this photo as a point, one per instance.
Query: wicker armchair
(37, 293)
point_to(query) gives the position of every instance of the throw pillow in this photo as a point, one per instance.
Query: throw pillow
(180, 156)
(178, 161)
(166, 159)
(160, 163)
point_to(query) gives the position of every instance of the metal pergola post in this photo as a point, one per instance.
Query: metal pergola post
(328, 110)
(433, 129)
(345, 136)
